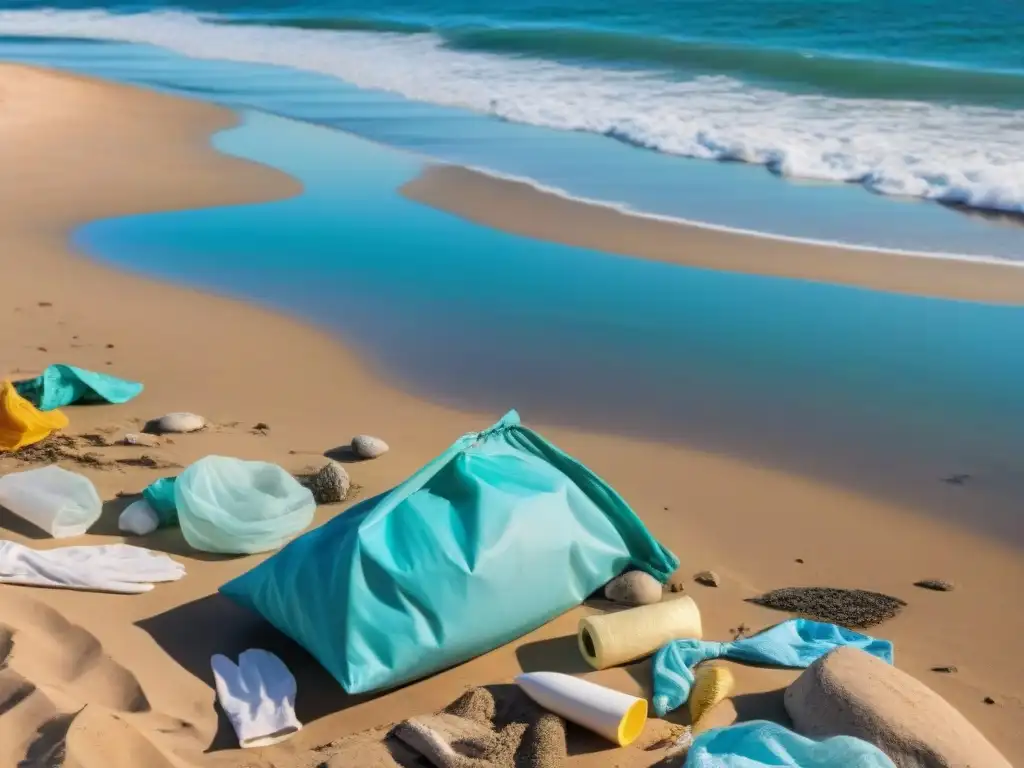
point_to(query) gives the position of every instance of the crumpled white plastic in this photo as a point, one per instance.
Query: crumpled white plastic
(138, 518)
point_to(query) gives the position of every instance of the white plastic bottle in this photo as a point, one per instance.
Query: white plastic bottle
(617, 716)
(60, 502)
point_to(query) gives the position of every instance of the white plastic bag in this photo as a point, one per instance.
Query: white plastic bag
(60, 502)
(240, 507)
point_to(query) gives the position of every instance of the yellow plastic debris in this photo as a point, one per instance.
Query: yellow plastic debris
(712, 684)
(21, 423)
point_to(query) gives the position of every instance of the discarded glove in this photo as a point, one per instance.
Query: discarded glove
(794, 643)
(760, 743)
(258, 696)
(476, 731)
(119, 568)
(65, 384)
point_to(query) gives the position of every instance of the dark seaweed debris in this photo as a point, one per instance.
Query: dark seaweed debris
(853, 608)
(59, 447)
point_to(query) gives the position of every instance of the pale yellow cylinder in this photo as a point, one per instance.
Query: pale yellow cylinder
(610, 639)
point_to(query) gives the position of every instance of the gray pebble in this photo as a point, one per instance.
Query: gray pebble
(633, 588)
(368, 447)
(707, 578)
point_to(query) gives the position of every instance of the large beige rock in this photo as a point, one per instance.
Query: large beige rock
(633, 588)
(850, 692)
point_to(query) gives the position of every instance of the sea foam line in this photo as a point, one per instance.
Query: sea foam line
(958, 154)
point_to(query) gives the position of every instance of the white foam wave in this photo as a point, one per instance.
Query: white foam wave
(966, 155)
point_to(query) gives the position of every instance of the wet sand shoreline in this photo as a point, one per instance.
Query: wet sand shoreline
(522, 209)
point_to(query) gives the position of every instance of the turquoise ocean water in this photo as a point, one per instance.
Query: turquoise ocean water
(829, 120)
(686, 108)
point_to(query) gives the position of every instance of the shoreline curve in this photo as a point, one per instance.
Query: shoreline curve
(524, 207)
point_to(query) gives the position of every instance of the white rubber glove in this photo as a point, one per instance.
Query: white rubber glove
(138, 518)
(118, 568)
(258, 696)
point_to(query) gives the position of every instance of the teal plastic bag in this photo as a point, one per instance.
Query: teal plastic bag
(232, 506)
(795, 643)
(498, 535)
(61, 385)
(762, 744)
(160, 496)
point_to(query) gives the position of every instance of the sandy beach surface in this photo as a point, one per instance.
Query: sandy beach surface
(115, 681)
(518, 207)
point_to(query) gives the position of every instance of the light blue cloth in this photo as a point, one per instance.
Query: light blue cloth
(794, 643)
(160, 496)
(498, 535)
(61, 385)
(761, 744)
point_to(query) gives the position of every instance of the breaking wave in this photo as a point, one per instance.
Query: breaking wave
(687, 99)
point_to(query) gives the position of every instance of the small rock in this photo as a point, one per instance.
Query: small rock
(330, 484)
(950, 670)
(144, 440)
(989, 700)
(261, 426)
(707, 578)
(367, 447)
(676, 586)
(180, 422)
(936, 585)
(41, 349)
(633, 588)
(800, 560)
(851, 693)
(45, 304)
(110, 346)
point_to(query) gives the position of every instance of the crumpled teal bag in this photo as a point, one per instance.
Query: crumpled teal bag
(61, 385)
(762, 744)
(796, 643)
(232, 506)
(496, 536)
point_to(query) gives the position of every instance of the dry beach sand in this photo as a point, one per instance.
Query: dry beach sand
(116, 681)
